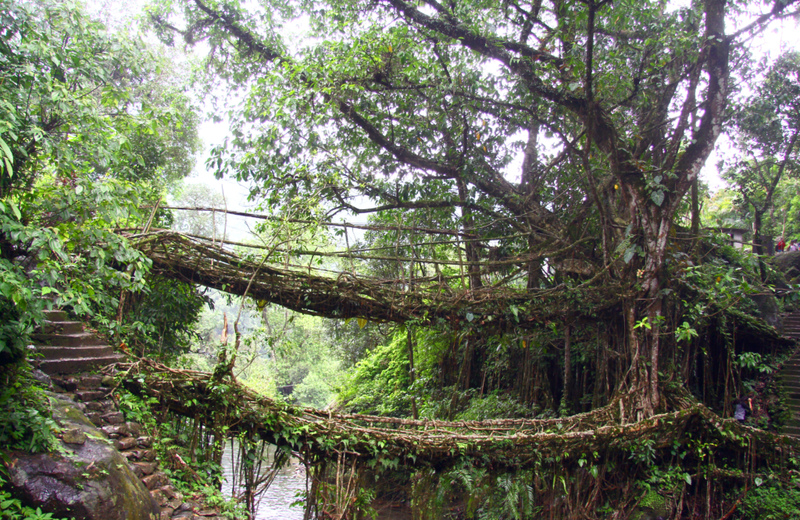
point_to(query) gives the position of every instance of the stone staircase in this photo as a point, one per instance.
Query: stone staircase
(91, 399)
(789, 376)
(66, 348)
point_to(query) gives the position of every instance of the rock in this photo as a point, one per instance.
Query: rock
(187, 506)
(42, 378)
(114, 418)
(156, 480)
(166, 513)
(90, 382)
(149, 455)
(789, 264)
(145, 468)
(768, 309)
(69, 384)
(89, 395)
(175, 503)
(73, 436)
(80, 407)
(95, 406)
(170, 492)
(135, 429)
(125, 443)
(144, 441)
(96, 418)
(133, 454)
(107, 381)
(159, 497)
(116, 431)
(93, 482)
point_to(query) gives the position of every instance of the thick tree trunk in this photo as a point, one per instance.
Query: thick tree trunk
(411, 374)
(470, 247)
(566, 396)
(757, 217)
(695, 230)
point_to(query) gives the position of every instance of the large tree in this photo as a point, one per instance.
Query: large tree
(82, 102)
(767, 132)
(558, 138)
(78, 105)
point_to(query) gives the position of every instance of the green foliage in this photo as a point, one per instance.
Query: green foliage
(772, 500)
(12, 508)
(60, 249)
(25, 417)
(161, 320)
(82, 101)
(379, 384)
(196, 195)
(492, 406)
(171, 436)
(485, 495)
(279, 349)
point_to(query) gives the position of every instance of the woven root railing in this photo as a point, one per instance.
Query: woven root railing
(516, 443)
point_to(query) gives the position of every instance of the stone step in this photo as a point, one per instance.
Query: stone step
(62, 327)
(791, 430)
(76, 365)
(81, 339)
(50, 353)
(55, 315)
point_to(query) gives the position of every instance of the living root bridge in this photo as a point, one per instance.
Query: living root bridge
(504, 443)
(350, 295)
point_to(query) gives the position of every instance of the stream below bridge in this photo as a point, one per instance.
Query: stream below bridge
(288, 488)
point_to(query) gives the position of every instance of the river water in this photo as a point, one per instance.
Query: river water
(287, 488)
(276, 503)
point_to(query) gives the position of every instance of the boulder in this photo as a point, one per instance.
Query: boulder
(768, 309)
(91, 481)
(789, 264)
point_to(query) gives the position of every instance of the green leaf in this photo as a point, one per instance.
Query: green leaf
(629, 254)
(657, 197)
(15, 210)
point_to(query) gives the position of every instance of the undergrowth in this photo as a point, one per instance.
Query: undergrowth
(199, 476)
(771, 501)
(26, 421)
(12, 508)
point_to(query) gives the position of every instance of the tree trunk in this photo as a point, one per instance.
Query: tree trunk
(695, 230)
(470, 246)
(566, 396)
(757, 216)
(411, 375)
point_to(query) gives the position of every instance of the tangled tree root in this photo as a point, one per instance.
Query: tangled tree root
(571, 467)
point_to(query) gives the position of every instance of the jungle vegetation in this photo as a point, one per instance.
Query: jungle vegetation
(522, 178)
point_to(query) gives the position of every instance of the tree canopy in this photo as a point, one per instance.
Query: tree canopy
(549, 143)
(92, 126)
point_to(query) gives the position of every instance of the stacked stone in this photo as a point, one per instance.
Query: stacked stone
(91, 395)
